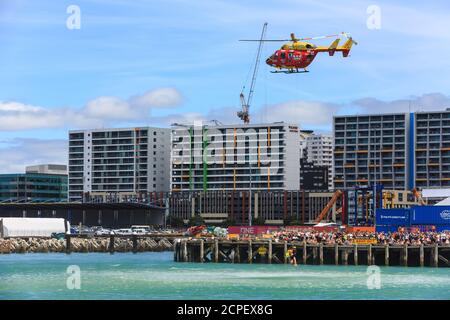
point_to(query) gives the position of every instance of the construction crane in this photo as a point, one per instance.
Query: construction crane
(244, 113)
(329, 205)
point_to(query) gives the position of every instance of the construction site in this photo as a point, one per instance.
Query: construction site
(351, 207)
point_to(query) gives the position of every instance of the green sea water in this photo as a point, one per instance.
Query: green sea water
(156, 276)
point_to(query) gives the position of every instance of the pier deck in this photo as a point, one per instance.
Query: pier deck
(268, 251)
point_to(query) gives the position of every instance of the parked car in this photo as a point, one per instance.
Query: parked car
(103, 232)
(147, 229)
(123, 232)
(140, 231)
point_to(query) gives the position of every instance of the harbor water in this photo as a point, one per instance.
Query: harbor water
(156, 276)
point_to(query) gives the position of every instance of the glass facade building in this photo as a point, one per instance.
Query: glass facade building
(33, 187)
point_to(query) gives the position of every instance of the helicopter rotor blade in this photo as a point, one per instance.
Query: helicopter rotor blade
(269, 40)
(293, 39)
(320, 37)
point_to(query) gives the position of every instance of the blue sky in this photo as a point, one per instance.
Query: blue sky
(174, 61)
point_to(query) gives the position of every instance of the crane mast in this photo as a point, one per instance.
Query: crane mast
(244, 113)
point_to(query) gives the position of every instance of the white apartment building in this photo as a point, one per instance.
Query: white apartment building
(126, 161)
(235, 157)
(319, 148)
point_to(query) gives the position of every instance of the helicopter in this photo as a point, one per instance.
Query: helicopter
(298, 54)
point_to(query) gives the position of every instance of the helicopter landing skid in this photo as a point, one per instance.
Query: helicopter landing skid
(291, 71)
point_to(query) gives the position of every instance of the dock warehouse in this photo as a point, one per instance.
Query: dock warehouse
(108, 215)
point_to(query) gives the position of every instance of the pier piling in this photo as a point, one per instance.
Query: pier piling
(435, 256)
(185, 253)
(285, 250)
(216, 250)
(111, 244)
(305, 253)
(345, 257)
(202, 251)
(422, 256)
(68, 244)
(238, 253)
(175, 251)
(315, 254)
(369, 255)
(386, 255)
(321, 253)
(355, 254)
(405, 255)
(135, 243)
(250, 251)
(336, 254)
(270, 251)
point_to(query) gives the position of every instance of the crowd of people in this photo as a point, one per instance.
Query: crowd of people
(312, 236)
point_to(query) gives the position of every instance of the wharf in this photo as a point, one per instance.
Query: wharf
(268, 251)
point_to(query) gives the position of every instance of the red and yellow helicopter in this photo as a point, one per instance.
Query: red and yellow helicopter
(296, 56)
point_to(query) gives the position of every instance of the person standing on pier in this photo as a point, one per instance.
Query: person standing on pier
(293, 256)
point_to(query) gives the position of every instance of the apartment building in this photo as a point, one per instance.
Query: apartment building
(432, 149)
(373, 149)
(125, 161)
(319, 149)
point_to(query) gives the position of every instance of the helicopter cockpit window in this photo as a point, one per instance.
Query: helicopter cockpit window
(290, 55)
(308, 46)
(283, 55)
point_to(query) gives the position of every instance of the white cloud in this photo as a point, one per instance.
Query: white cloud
(425, 102)
(316, 115)
(109, 108)
(161, 98)
(100, 111)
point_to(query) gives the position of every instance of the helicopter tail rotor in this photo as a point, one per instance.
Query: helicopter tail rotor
(349, 37)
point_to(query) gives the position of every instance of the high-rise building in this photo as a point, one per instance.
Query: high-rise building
(320, 152)
(235, 157)
(313, 177)
(431, 167)
(373, 149)
(303, 138)
(126, 161)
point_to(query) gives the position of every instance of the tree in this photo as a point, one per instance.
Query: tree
(228, 222)
(259, 221)
(290, 221)
(175, 222)
(196, 220)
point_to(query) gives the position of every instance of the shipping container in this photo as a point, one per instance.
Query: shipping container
(434, 215)
(393, 217)
(386, 229)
